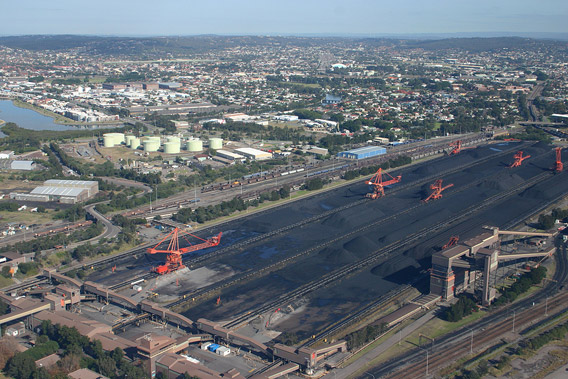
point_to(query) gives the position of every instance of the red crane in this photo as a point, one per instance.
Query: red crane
(174, 257)
(437, 190)
(559, 166)
(379, 184)
(457, 145)
(519, 158)
(452, 242)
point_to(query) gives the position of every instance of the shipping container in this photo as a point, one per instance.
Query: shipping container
(223, 351)
(213, 347)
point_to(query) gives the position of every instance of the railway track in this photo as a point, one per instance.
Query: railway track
(239, 246)
(413, 364)
(27, 284)
(343, 272)
(441, 358)
(359, 315)
(173, 204)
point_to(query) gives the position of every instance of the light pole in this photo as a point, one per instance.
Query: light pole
(427, 357)
(546, 307)
(471, 341)
(370, 374)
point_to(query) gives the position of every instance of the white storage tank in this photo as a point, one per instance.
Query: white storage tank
(150, 145)
(129, 139)
(171, 147)
(118, 138)
(194, 145)
(108, 140)
(173, 139)
(215, 143)
(134, 143)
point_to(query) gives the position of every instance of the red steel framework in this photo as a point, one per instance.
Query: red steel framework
(174, 258)
(457, 145)
(379, 184)
(452, 242)
(437, 190)
(519, 158)
(559, 166)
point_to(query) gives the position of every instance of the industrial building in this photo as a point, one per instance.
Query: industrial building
(63, 191)
(9, 164)
(230, 155)
(331, 100)
(255, 154)
(473, 264)
(363, 152)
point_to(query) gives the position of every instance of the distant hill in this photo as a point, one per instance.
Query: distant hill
(146, 47)
(483, 44)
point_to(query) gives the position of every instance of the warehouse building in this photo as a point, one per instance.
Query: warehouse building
(363, 152)
(230, 155)
(255, 154)
(63, 191)
(91, 186)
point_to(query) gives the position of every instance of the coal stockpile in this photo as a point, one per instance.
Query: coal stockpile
(403, 214)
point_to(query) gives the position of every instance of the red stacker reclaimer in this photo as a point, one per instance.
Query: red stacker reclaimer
(519, 158)
(437, 190)
(452, 242)
(174, 258)
(457, 145)
(559, 166)
(379, 184)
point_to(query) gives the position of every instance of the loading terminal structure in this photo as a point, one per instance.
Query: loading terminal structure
(461, 266)
(69, 292)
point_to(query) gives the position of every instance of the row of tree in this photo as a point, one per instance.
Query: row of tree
(522, 285)
(463, 307)
(362, 336)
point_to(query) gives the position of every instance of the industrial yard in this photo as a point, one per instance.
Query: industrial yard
(377, 236)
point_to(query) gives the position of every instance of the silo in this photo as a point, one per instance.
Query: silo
(171, 147)
(153, 138)
(194, 145)
(134, 143)
(173, 139)
(108, 139)
(118, 138)
(129, 139)
(215, 143)
(150, 145)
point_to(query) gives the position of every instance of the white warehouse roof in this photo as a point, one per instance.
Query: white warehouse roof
(57, 191)
(60, 182)
(255, 153)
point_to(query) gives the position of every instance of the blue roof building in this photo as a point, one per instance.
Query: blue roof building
(363, 152)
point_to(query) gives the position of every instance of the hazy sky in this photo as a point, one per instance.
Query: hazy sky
(189, 17)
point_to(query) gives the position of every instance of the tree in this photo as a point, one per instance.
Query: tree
(6, 272)
(8, 347)
(21, 366)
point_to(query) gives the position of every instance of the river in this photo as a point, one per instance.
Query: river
(27, 118)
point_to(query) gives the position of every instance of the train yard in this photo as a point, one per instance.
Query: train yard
(312, 267)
